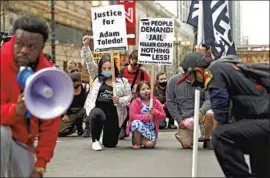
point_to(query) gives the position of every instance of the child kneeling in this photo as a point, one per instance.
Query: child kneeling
(143, 122)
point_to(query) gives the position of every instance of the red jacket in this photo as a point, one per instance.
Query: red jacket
(135, 113)
(10, 90)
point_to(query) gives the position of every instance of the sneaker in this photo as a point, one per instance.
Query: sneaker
(96, 146)
(172, 127)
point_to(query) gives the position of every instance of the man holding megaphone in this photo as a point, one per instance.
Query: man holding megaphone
(19, 157)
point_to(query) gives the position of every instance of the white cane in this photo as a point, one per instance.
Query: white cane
(195, 134)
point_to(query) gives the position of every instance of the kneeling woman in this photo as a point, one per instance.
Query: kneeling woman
(144, 124)
(100, 105)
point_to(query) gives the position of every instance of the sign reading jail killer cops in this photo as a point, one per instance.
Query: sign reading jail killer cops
(109, 28)
(116, 57)
(156, 41)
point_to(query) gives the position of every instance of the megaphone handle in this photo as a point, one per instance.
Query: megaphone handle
(28, 115)
(27, 121)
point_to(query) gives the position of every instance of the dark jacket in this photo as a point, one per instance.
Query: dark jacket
(249, 100)
(160, 94)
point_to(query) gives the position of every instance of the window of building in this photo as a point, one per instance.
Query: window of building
(69, 35)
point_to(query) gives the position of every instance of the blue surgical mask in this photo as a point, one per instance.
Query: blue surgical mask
(107, 74)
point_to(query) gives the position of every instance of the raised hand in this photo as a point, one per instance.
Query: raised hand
(86, 40)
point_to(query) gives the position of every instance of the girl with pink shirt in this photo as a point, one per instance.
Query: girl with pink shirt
(142, 123)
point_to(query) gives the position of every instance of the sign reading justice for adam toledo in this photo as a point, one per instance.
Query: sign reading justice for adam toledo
(156, 41)
(109, 28)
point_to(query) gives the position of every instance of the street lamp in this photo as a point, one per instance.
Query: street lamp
(53, 30)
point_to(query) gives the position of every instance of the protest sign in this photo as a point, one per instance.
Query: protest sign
(109, 28)
(115, 55)
(156, 41)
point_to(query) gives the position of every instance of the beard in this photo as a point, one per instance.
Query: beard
(26, 61)
(76, 86)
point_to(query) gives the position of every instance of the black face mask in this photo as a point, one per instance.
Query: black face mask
(198, 84)
(163, 84)
(76, 86)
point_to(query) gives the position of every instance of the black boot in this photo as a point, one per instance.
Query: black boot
(79, 131)
(171, 124)
(207, 144)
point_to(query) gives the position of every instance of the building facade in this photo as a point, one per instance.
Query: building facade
(73, 20)
(184, 10)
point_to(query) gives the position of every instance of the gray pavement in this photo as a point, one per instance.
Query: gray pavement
(74, 158)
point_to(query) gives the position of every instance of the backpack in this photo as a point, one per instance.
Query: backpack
(257, 72)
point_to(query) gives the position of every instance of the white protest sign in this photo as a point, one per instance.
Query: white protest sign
(109, 28)
(156, 41)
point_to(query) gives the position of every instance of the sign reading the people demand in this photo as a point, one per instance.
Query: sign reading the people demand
(109, 28)
(115, 54)
(156, 41)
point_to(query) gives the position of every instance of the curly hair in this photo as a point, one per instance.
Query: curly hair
(32, 24)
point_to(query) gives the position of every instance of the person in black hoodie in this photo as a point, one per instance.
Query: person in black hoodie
(160, 93)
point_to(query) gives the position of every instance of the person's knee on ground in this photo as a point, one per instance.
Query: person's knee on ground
(110, 134)
(110, 145)
(148, 144)
(185, 137)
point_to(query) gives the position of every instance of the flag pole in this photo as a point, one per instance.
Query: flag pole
(200, 24)
(197, 98)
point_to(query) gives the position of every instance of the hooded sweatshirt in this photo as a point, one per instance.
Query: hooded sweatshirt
(181, 98)
(10, 90)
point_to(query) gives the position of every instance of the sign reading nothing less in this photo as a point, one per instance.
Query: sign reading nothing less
(156, 41)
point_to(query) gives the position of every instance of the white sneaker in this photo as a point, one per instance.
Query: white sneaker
(96, 146)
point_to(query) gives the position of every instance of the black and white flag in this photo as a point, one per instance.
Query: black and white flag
(216, 27)
(193, 13)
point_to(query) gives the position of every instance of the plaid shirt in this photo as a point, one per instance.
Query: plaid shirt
(122, 88)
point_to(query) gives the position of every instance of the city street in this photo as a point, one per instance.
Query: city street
(74, 158)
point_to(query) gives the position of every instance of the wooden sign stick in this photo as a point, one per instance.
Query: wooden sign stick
(152, 86)
(113, 74)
